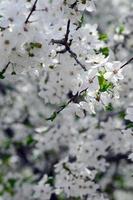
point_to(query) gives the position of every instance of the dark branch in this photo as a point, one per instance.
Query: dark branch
(32, 10)
(67, 31)
(117, 158)
(74, 98)
(130, 60)
(4, 69)
(64, 42)
(73, 5)
(76, 59)
(61, 108)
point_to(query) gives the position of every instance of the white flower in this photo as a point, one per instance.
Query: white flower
(88, 5)
(129, 114)
(42, 189)
(113, 71)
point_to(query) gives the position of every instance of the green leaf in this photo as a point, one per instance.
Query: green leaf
(81, 21)
(120, 29)
(12, 182)
(103, 83)
(129, 124)
(30, 140)
(98, 177)
(104, 51)
(1, 178)
(122, 114)
(35, 45)
(119, 181)
(50, 180)
(7, 143)
(109, 107)
(103, 37)
(6, 159)
(30, 46)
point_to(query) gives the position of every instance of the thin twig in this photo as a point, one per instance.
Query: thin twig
(76, 59)
(67, 31)
(130, 60)
(67, 45)
(61, 108)
(32, 10)
(5, 68)
(74, 99)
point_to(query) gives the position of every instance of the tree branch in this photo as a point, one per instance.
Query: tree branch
(31, 12)
(4, 69)
(130, 60)
(64, 42)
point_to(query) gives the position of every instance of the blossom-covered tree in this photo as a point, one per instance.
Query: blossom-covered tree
(66, 100)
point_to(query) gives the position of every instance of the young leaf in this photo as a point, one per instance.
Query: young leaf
(105, 51)
(103, 37)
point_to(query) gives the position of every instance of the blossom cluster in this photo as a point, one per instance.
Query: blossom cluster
(65, 129)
